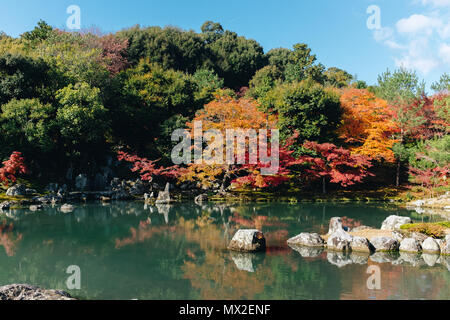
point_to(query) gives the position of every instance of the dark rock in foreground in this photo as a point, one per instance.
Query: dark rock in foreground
(28, 292)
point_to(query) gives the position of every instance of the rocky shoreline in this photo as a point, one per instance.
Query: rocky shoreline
(28, 292)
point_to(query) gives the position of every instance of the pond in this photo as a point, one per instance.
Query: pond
(126, 250)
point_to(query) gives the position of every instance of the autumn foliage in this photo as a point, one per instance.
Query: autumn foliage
(12, 167)
(367, 125)
(147, 168)
(333, 164)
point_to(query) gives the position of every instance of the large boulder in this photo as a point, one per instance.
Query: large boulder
(307, 239)
(335, 225)
(164, 196)
(430, 246)
(410, 245)
(27, 292)
(394, 222)
(360, 244)
(385, 244)
(248, 240)
(339, 241)
(17, 190)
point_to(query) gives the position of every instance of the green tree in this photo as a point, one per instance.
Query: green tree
(443, 84)
(81, 117)
(27, 125)
(306, 108)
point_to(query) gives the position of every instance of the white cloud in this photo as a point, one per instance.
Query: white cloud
(418, 23)
(437, 3)
(444, 53)
(420, 41)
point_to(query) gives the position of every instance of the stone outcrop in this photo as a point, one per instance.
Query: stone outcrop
(248, 240)
(28, 292)
(394, 222)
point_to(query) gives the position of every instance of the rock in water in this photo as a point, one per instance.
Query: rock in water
(164, 196)
(27, 292)
(339, 241)
(360, 244)
(36, 207)
(67, 208)
(248, 241)
(201, 198)
(335, 225)
(384, 244)
(410, 245)
(394, 222)
(307, 239)
(17, 190)
(430, 246)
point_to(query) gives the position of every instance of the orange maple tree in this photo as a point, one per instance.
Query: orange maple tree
(367, 124)
(228, 113)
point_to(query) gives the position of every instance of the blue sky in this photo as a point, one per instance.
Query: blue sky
(413, 33)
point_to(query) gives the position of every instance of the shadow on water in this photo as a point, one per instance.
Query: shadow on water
(132, 251)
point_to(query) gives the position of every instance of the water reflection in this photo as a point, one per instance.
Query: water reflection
(126, 251)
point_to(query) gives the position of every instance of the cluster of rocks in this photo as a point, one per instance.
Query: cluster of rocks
(441, 202)
(339, 239)
(28, 292)
(345, 246)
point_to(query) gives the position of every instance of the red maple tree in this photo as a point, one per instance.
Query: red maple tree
(12, 167)
(147, 168)
(333, 164)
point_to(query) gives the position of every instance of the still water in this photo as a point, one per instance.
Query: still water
(128, 251)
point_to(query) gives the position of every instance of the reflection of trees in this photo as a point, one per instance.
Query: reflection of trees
(397, 282)
(7, 238)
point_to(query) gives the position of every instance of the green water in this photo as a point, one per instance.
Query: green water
(126, 251)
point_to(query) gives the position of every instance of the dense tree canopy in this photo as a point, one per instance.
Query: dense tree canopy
(69, 99)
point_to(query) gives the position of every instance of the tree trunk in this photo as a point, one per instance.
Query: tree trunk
(397, 179)
(226, 177)
(324, 185)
